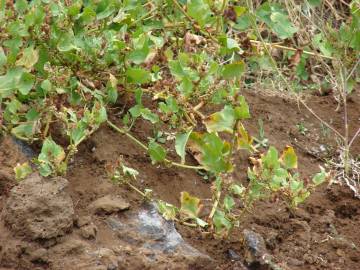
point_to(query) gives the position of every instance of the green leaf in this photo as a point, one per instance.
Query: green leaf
(320, 177)
(221, 222)
(66, 42)
(221, 121)
(289, 158)
(50, 158)
(26, 83)
(271, 159)
(23, 131)
(46, 86)
(156, 151)
(22, 171)
(229, 203)
(199, 10)
(138, 75)
(234, 70)
(242, 111)
(9, 81)
(180, 144)
(149, 115)
(29, 58)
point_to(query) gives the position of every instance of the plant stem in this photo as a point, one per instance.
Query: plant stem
(172, 163)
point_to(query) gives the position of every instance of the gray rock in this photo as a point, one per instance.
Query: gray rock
(109, 204)
(155, 241)
(255, 247)
(39, 208)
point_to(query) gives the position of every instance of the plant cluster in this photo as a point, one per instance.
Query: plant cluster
(65, 64)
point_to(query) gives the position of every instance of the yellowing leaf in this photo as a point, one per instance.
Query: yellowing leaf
(190, 206)
(221, 121)
(29, 58)
(289, 158)
(244, 140)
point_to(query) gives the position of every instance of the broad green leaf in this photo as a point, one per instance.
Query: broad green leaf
(147, 114)
(229, 203)
(66, 42)
(138, 75)
(278, 180)
(271, 159)
(156, 151)
(221, 121)
(29, 58)
(289, 158)
(180, 144)
(9, 81)
(242, 111)
(46, 86)
(221, 222)
(234, 70)
(26, 83)
(23, 131)
(199, 10)
(22, 171)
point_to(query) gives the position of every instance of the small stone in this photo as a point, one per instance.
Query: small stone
(107, 257)
(342, 243)
(89, 231)
(39, 255)
(340, 253)
(109, 204)
(83, 220)
(232, 255)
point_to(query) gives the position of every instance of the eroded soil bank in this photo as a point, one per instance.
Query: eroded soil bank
(322, 234)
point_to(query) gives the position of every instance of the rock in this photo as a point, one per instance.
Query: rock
(82, 220)
(339, 242)
(109, 204)
(39, 208)
(255, 247)
(232, 255)
(155, 242)
(89, 231)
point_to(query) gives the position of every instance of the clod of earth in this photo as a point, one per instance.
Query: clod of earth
(39, 208)
(109, 204)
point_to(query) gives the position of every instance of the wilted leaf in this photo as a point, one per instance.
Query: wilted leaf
(29, 58)
(167, 210)
(22, 171)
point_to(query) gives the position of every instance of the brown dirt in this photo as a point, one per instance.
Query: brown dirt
(321, 234)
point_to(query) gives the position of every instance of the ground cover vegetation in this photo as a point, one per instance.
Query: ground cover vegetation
(68, 66)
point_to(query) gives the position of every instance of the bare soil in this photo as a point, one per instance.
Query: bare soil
(321, 234)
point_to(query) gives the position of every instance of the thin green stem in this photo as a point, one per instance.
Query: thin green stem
(135, 140)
